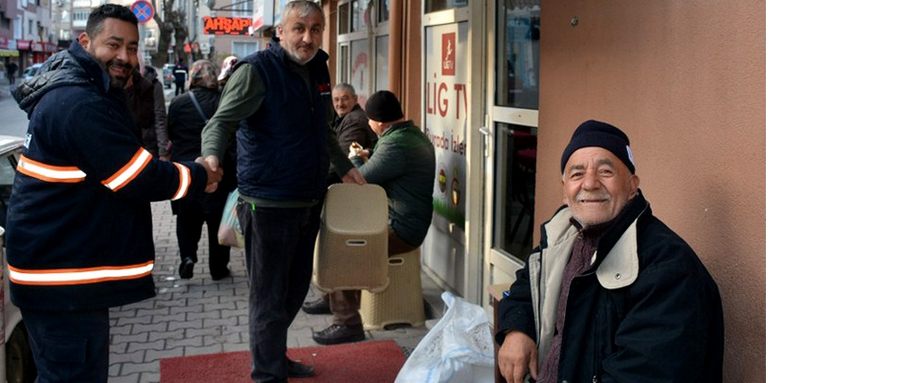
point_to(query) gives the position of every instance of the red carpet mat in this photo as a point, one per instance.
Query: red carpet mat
(375, 361)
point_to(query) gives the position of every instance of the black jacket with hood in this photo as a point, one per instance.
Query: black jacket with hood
(79, 232)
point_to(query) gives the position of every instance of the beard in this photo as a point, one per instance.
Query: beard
(115, 79)
(295, 54)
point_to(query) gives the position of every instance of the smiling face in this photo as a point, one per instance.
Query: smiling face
(300, 33)
(597, 185)
(343, 100)
(115, 47)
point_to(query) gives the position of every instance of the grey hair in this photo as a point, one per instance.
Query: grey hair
(303, 8)
(345, 86)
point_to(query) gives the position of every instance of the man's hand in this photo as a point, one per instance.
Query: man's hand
(353, 176)
(517, 356)
(213, 172)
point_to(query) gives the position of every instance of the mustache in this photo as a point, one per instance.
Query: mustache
(120, 64)
(581, 196)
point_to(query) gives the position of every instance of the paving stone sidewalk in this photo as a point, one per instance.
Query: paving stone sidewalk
(200, 316)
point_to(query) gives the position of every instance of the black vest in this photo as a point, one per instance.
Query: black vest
(282, 151)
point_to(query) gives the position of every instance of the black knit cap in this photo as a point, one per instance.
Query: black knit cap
(383, 106)
(600, 134)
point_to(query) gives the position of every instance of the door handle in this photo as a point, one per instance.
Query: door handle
(487, 140)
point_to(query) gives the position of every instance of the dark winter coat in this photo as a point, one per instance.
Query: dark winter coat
(647, 310)
(402, 162)
(141, 101)
(185, 125)
(354, 127)
(283, 151)
(79, 232)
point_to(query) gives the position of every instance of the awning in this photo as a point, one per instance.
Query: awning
(8, 53)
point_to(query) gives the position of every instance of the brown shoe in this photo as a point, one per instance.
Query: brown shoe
(336, 334)
(318, 306)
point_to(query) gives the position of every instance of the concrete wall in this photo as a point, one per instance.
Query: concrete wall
(686, 81)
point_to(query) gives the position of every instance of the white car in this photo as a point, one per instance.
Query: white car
(16, 362)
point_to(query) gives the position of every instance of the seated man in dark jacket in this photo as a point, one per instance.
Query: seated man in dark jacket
(620, 296)
(402, 162)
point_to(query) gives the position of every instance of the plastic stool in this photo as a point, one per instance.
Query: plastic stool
(401, 302)
(352, 246)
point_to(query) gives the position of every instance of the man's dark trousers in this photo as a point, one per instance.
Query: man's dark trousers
(279, 246)
(71, 346)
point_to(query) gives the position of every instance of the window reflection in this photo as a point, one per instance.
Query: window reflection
(514, 188)
(518, 64)
(440, 5)
(381, 62)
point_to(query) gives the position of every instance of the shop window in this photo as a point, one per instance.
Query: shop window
(514, 208)
(440, 5)
(518, 56)
(362, 47)
(359, 68)
(383, 10)
(381, 62)
(344, 18)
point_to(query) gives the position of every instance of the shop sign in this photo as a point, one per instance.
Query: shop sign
(447, 115)
(226, 25)
(23, 45)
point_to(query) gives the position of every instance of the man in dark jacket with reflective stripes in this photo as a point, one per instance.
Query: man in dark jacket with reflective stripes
(284, 147)
(80, 238)
(612, 294)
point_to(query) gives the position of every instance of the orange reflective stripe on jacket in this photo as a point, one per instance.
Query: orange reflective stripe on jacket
(78, 276)
(184, 180)
(128, 172)
(49, 173)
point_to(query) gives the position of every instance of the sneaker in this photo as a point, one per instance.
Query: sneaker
(336, 334)
(299, 370)
(318, 306)
(186, 269)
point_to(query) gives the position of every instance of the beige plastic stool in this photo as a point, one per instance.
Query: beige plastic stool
(401, 302)
(351, 250)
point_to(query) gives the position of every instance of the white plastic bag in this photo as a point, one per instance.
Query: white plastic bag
(459, 348)
(230, 233)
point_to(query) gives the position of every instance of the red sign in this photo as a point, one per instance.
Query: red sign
(23, 45)
(448, 54)
(226, 25)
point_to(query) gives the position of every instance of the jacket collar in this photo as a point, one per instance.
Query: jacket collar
(617, 250)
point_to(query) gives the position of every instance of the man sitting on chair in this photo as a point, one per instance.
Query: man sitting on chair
(402, 162)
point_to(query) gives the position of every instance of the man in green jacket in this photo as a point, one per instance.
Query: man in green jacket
(402, 162)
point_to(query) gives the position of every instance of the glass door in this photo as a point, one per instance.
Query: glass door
(511, 129)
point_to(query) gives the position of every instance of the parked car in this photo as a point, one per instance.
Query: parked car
(31, 71)
(168, 75)
(16, 362)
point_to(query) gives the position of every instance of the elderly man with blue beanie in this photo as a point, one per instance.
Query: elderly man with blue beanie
(612, 294)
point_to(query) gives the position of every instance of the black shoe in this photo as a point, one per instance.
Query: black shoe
(318, 306)
(299, 370)
(336, 334)
(217, 275)
(186, 269)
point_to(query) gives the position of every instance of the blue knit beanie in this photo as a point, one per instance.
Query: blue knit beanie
(600, 134)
